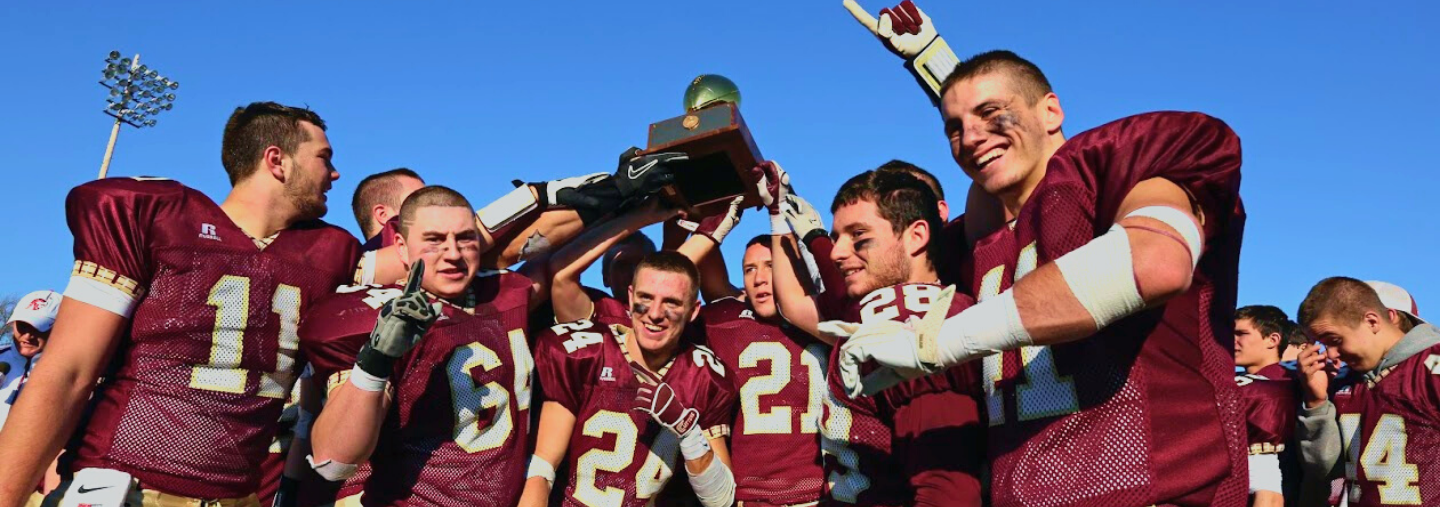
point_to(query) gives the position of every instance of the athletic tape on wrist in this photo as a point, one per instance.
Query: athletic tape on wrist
(693, 444)
(1265, 473)
(364, 381)
(1101, 275)
(1181, 222)
(507, 208)
(778, 225)
(538, 467)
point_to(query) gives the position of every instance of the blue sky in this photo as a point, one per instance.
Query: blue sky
(1334, 104)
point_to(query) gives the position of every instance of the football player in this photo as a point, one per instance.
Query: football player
(442, 394)
(625, 404)
(779, 372)
(1381, 424)
(1267, 398)
(1260, 341)
(1105, 335)
(188, 311)
(920, 443)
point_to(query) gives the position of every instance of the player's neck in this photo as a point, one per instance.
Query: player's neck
(1255, 368)
(1015, 199)
(259, 212)
(925, 273)
(654, 361)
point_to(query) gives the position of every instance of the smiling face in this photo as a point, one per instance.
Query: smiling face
(662, 302)
(1361, 344)
(447, 239)
(758, 291)
(868, 251)
(310, 173)
(998, 136)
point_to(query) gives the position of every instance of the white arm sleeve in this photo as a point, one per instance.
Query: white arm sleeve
(1265, 473)
(715, 486)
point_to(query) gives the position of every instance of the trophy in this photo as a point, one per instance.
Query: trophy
(714, 135)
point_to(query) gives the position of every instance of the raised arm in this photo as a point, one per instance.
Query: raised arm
(567, 296)
(703, 248)
(81, 344)
(552, 440)
(907, 32)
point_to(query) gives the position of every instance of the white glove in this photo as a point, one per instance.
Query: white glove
(802, 217)
(905, 29)
(902, 351)
(716, 227)
(773, 185)
(552, 188)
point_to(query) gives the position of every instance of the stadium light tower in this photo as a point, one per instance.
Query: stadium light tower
(137, 94)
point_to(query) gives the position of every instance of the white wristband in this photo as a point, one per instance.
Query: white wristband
(538, 467)
(365, 381)
(507, 208)
(693, 444)
(332, 470)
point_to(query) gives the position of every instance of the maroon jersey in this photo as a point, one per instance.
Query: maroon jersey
(458, 429)
(1390, 427)
(918, 443)
(608, 310)
(618, 456)
(190, 401)
(365, 271)
(779, 372)
(1270, 411)
(1144, 411)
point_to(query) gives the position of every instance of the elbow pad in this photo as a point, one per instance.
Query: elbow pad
(715, 486)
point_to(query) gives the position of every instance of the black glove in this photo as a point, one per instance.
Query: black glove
(402, 322)
(637, 177)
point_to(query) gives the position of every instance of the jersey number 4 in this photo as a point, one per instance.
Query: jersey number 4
(1382, 459)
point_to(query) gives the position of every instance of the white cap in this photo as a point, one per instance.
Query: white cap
(37, 309)
(1396, 298)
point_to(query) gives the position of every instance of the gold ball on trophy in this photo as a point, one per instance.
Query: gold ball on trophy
(708, 89)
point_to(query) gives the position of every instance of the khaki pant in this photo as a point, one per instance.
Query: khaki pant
(140, 497)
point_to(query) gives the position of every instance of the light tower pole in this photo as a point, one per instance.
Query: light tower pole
(137, 93)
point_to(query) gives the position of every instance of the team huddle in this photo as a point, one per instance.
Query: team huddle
(1067, 338)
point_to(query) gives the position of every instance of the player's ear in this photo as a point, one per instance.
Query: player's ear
(272, 161)
(1272, 340)
(403, 252)
(1051, 114)
(381, 213)
(917, 237)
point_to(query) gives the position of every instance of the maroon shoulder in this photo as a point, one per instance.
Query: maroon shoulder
(1269, 408)
(608, 310)
(565, 356)
(110, 220)
(326, 247)
(333, 331)
(384, 238)
(1195, 151)
(503, 289)
(723, 310)
(712, 390)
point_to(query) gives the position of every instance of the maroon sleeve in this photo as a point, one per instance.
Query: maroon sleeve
(1270, 411)
(954, 261)
(715, 397)
(939, 439)
(559, 370)
(333, 332)
(1199, 153)
(110, 220)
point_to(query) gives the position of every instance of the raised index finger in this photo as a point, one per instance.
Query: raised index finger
(417, 274)
(863, 16)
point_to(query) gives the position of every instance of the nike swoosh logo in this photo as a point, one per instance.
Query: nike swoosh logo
(636, 172)
(84, 490)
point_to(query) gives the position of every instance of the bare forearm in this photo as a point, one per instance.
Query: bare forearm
(566, 294)
(797, 307)
(551, 230)
(349, 426)
(536, 494)
(1268, 499)
(714, 277)
(31, 437)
